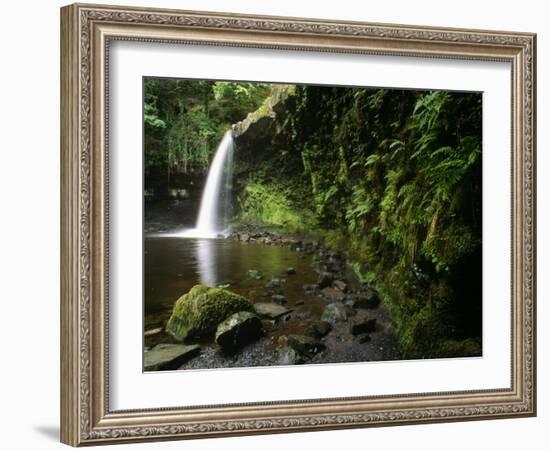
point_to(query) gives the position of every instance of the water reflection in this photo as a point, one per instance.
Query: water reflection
(205, 251)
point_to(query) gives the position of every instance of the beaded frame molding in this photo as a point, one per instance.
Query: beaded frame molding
(86, 32)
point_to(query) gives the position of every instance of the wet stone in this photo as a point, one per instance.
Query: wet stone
(288, 357)
(237, 330)
(305, 345)
(168, 356)
(325, 279)
(334, 312)
(333, 294)
(318, 329)
(367, 300)
(340, 285)
(275, 283)
(270, 310)
(362, 326)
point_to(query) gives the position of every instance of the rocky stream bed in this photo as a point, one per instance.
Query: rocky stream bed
(333, 319)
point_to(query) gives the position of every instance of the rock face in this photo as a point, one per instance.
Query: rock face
(237, 330)
(202, 309)
(305, 345)
(334, 312)
(168, 356)
(270, 310)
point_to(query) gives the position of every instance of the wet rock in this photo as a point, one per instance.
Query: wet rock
(244, 237)
(325, 279)
(237, 330)
(288, 357)
(270, 310)
(364, 338)
(361, 326)
(340, 285)
(318, 329)
(334, 312)
(168, 356)
(368, 299)
(202, 309)
(299, 303)
(278, 298)
(333, 266)
(305, 345)
(254, 275)
(309, 287)
(333, 294)
(153, 331)
(291, 271)
(275, 283)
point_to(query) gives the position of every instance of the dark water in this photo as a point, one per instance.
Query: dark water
(174, 265)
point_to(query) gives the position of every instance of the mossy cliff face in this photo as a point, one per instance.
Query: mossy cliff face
(198, 313)
(390, 177)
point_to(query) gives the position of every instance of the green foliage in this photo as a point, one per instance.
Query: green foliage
(184, 120)
(391, 177)
(273, 205)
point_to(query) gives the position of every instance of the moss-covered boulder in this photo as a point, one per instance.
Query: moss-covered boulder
(199, 312)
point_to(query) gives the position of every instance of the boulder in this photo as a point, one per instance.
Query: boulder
(270, 310)
(361, 326)
(305, 345)
(334, 312)
(318, 329)
(333, 294)
(291, 271)
(237, 330)
(168, 356)
(202, 309)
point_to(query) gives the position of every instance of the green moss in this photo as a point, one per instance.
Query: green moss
(271, 205)
(198, 313)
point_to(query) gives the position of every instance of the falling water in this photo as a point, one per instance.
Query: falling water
(214, 207)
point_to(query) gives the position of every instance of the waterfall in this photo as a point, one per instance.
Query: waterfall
(215, 204)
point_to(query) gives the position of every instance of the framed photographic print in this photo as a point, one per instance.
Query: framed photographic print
(274, 224)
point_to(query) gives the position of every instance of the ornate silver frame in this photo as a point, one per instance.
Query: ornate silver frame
(86, 31)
